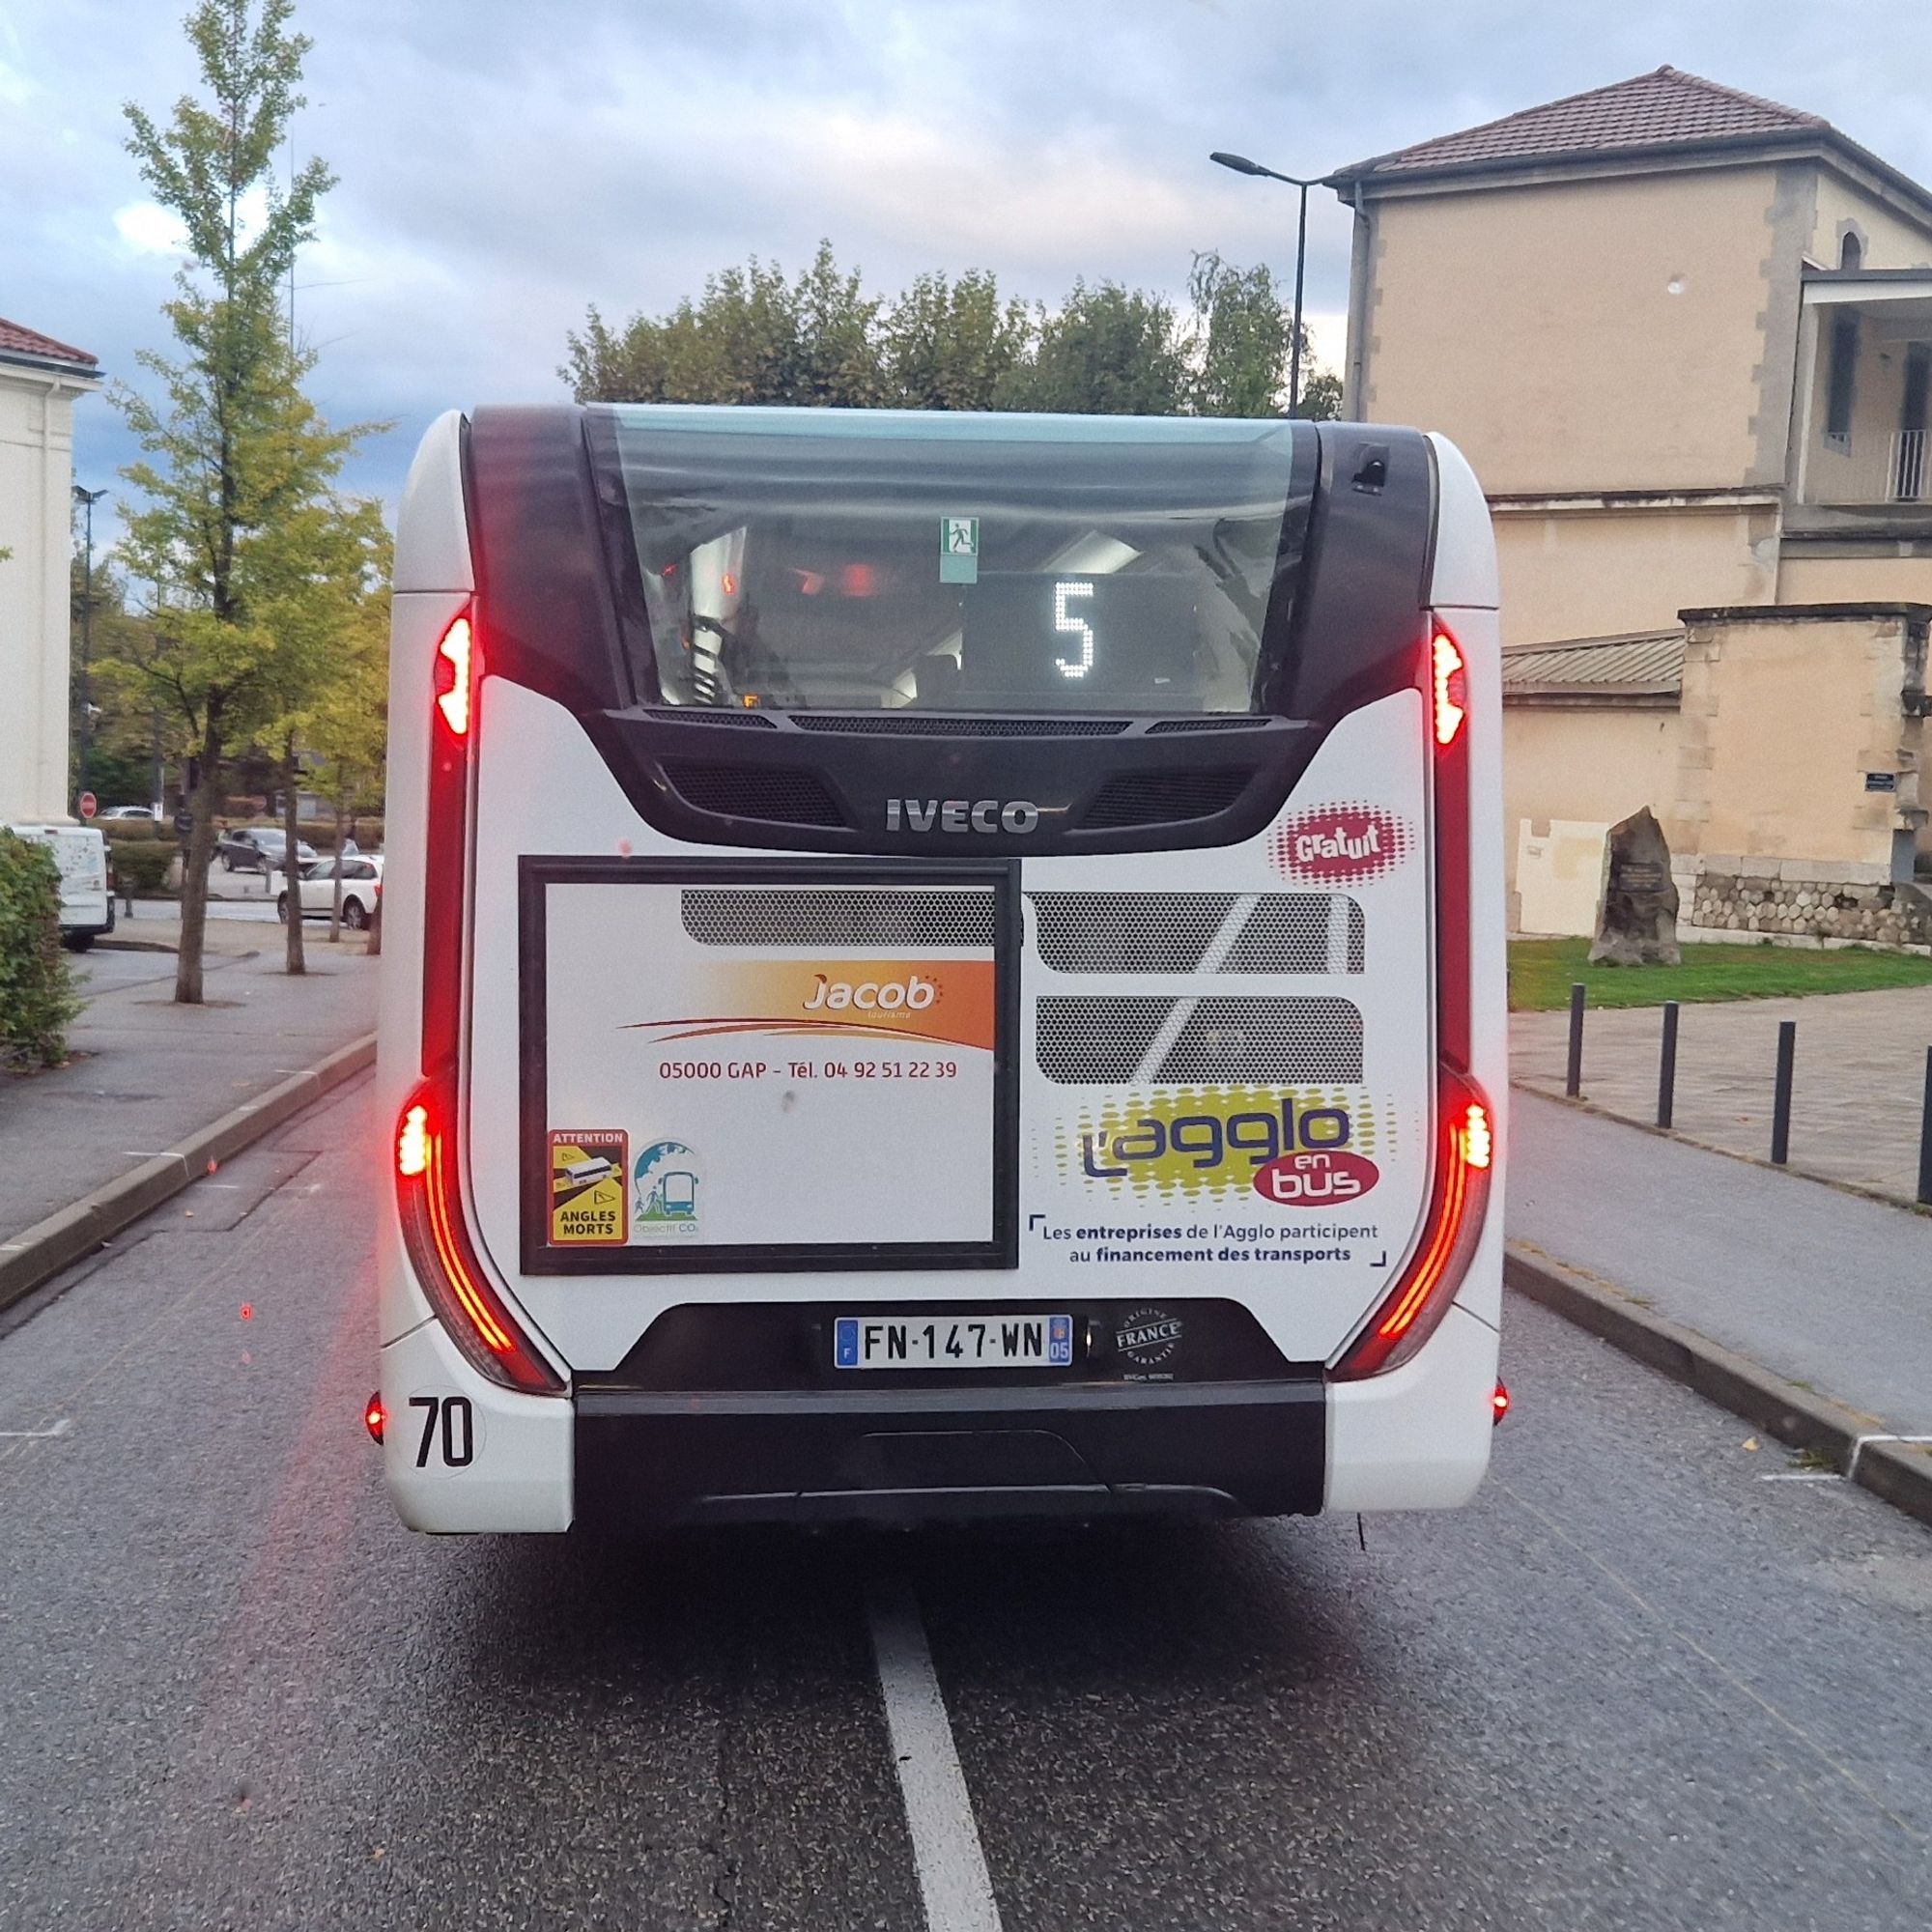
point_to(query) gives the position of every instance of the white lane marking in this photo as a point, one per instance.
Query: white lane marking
(1803, 1476)
(954, 1886)
(59, 1428)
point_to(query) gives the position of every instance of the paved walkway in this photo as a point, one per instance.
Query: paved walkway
(1857, 1094)
(150, 1072)
(1831, 1291)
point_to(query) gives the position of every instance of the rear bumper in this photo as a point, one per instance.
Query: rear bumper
(902, 1457)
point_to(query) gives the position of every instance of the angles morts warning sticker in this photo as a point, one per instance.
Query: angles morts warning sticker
(589, 1188)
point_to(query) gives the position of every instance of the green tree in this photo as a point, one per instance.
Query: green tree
(753, 336)
(239, 467)
(1106, 351)
(1243, 326)
(952, 344)
(318, 626)
(943, 343)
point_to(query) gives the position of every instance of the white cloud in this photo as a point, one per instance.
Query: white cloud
(149, 229)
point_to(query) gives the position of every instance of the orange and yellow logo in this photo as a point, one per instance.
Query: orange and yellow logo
(946, 1001)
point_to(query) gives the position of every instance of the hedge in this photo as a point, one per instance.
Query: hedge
(37, 993)
(140, 865)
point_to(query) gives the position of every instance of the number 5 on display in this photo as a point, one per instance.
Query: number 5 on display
(1075, 627)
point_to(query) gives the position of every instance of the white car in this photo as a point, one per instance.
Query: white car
(361, 890)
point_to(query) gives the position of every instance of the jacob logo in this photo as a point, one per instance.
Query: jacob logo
(1341, 844)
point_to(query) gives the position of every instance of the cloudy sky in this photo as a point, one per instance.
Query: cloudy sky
(504, 163)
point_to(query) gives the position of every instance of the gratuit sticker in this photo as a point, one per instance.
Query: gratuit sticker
(589, 1188)
(1345, 844)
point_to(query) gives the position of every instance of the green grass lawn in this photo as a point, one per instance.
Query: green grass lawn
(1542, 972)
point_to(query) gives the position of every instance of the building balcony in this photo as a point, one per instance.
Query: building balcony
(1861, 457)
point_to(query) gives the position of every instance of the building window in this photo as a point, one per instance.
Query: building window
(1839, 380)
(1851, 253)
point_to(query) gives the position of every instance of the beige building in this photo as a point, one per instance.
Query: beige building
(40, 379)
(1685, 337)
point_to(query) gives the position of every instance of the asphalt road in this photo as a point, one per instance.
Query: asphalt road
(1637, 1686)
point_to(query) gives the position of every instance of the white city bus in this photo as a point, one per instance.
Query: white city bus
(939, 965)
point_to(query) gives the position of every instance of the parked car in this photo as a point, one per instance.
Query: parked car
(258, 848)
(146, 812)
(87, 905)
(361, 890)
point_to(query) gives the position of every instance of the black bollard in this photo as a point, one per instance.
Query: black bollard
(1573, 1076)
(1780, 1099)
(1666, 1067)
(1926, 1138)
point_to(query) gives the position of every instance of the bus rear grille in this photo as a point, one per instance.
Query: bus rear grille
(1165, 798)
(1098, 1041)
(773, 793)
(813, 915)
(1176, 932)
(1218, 1042)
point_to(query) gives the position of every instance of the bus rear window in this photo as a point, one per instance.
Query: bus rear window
(817, 559)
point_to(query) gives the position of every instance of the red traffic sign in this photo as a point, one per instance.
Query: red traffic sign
(88, 801)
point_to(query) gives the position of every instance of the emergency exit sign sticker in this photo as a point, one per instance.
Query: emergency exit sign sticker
(589, 1189)
(959, 549)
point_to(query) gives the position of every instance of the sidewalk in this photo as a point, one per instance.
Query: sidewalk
(1831, 1291)
(150, 1074)
(1857, 1085)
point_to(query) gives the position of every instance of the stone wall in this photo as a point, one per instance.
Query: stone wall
(1817, 908)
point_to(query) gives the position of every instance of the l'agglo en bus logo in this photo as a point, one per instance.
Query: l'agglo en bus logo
(1300, 1147)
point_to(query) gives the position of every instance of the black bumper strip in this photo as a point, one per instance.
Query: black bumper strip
(905, 1456)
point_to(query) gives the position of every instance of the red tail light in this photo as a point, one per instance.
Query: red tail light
(456, 670)
(1499, 1403)
(1449, 702)
(1458, 1197)
(445, 1260)
(1449, 686)
(375, 1418)
(458, 666)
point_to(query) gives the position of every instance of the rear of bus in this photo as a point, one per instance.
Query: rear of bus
(939, 966)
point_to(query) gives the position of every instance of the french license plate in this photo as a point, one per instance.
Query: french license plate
(952, 1342)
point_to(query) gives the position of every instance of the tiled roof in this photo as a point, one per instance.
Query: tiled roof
(1664, 109)
(30, 343)
(1640, 664)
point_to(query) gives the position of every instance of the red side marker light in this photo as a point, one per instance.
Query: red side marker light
(374, 1417)
(453, 668)
(1499, 1403)
(412, 1142)
(1450, 683)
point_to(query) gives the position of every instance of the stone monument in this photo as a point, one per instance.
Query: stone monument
(1636, 911)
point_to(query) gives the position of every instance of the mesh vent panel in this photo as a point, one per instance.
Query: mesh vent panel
(779, 916)
(1127, 932)
(1292, 932)
(1098, 1041)
(704, 714)
(934, 725)
(774, 793)
(1261, 1040)
(1358, 938)
(1208, 725)
(1165, 798)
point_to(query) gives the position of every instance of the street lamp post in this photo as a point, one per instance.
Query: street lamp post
(86, 498)
(1241, 165)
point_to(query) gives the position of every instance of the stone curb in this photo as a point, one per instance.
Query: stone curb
(1863, 1450)
(37, 1254)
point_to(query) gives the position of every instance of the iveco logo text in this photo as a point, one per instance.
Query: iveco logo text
(958, 814)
